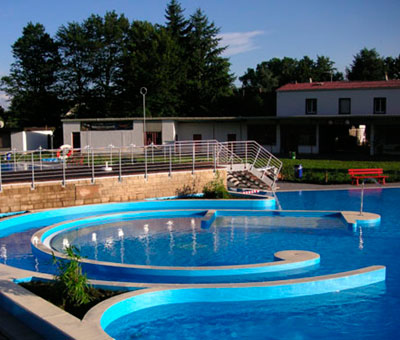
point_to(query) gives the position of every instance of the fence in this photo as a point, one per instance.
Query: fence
(67, 164)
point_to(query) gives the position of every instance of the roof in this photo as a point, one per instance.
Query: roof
(340, 85)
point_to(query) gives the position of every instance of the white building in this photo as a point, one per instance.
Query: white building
(321, 117)
(330, 117)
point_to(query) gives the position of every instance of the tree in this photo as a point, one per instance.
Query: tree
(208, 77)
(91, 55)
(32, 80)
(392, 67)
(324, 70)
(367, 65)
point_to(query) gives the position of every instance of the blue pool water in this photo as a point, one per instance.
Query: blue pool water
(371, 312)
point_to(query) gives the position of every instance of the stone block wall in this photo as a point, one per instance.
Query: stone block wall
(19, 197)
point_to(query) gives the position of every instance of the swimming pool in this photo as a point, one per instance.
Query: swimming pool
(370, 312)
(341, 249)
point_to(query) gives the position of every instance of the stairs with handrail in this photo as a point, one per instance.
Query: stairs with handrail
(258, 168)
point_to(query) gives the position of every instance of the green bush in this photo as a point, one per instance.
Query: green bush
(70, 281)
(215, 189)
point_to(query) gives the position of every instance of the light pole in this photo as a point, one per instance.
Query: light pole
(143, 92)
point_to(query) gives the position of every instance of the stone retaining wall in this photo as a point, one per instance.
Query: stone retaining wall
(18, 197)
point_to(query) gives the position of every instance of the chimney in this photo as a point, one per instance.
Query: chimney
(386, 76)
(310, 80)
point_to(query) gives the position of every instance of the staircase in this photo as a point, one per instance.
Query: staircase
(251, 165)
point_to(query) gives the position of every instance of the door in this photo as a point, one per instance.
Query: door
(76, 140)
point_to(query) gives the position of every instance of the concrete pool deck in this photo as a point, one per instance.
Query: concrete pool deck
(12, 328)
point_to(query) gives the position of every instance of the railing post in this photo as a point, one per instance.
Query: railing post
(63, 168)
(15, 159)
(245, 155)
(145, 162)
(180, 153)
(255, 158)
(170, 161)
(93, 180)
(132, 146)
(193, 158)
(88, 156)
(33, 172)
(40, 157)
(215, 158)
(152, 153)
(120, 166)
(1, 180)
(208, 151)
(111, 148)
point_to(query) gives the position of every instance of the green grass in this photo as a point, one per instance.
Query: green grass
(335, 171)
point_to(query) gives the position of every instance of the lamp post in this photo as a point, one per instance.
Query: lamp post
(143, 92)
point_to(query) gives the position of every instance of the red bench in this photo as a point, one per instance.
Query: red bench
(357, 174)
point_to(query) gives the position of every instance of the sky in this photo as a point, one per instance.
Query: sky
(253, 30)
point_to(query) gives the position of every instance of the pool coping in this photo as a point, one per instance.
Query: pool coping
(52, 322)
(41, 248)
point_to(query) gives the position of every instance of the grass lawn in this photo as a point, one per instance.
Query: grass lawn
(335, 171)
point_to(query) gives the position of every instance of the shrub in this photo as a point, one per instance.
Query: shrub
(215, 188)
(70, 281)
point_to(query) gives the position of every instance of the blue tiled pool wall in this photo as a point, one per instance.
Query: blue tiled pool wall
(279, 291)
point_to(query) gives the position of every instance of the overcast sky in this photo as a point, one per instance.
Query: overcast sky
(253, 30)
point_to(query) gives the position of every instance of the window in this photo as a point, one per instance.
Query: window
(344, 106)
(307, 135)
(197, 136)
(311, 106)
(379, 105)
(263, 134)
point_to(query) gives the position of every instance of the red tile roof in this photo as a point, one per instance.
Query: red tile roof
(340, 85)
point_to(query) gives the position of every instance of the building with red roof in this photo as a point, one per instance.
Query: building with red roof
(340, 116)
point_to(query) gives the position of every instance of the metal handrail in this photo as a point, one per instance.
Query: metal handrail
(256, 156)
(88, 162)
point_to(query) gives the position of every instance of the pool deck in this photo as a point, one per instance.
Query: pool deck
(12, 328)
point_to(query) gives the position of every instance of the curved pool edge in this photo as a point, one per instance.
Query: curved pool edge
(112, 309)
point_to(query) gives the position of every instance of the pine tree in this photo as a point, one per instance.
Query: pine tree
(32, 80)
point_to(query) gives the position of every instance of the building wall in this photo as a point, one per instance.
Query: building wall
(19, 197)
(68, 128)
(292, 103)
(18, 141)
(36, 139)
(168, 131)
(212, 130)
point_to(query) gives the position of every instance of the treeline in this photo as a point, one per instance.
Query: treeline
(96, 69)
(259, 84)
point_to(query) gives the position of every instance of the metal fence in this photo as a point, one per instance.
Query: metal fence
(68, 164)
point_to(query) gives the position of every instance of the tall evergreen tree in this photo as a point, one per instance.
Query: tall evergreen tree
(392, 67)
(367, 65)
(208, 77)
(32, 80)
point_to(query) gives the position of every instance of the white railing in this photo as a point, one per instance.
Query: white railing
(257, 160)
(65, 164)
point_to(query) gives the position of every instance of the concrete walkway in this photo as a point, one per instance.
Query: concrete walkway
(294, 186)
(11, 328)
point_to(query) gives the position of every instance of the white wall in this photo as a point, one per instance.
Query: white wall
(36, 139)
(168, 131)
(18, 141)
(30, 140)
(212, 130)
(68, 128)
(292, 103)
(187, 130)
